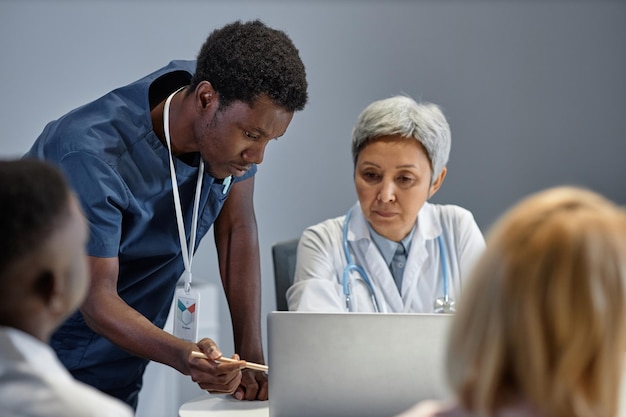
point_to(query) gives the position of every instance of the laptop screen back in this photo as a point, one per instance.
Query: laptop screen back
(360, 364)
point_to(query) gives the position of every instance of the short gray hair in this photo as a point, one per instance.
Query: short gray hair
(401, 115)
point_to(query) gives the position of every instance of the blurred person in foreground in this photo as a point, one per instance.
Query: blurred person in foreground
(540, 330)
(43, 279)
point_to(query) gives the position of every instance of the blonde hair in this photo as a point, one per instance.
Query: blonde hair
(543, 318)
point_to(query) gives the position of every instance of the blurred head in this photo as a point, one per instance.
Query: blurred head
(400, 149)
(542, 319)
(43, 265)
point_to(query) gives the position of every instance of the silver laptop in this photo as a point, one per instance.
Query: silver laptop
(354, 364)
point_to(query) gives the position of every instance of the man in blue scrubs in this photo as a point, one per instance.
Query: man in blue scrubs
(221, 111)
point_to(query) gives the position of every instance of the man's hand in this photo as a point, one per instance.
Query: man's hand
(253, 386)
(210, 374)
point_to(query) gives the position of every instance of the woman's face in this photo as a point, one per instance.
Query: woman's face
(393, 181)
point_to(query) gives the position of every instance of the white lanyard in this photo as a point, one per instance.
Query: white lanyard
(187, 254)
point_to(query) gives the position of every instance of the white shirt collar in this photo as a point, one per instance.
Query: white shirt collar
(37, 354)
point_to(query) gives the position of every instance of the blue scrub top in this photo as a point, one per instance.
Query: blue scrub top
(120, 171)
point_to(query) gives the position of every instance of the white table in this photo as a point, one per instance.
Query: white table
(210, 405)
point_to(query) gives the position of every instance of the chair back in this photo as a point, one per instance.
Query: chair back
(284, 257)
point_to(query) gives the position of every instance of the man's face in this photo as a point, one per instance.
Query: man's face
(230, 140)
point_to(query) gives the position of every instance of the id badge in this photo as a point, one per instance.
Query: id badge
(186, 306)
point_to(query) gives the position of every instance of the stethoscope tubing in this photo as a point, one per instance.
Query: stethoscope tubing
(351, 266)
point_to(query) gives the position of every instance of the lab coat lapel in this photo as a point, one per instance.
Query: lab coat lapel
(420, 278)
(369, 257)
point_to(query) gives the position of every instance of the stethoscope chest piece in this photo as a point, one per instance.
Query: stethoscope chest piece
(445, 305)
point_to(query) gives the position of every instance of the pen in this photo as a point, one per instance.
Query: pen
(249, 365)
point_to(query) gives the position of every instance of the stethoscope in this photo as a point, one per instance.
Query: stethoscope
(444, 304)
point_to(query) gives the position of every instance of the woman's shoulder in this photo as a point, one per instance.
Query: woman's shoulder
(450, 210)
(434, 409)
(454, 218)
(329, 228)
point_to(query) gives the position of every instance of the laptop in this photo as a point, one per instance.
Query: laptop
(354, 364)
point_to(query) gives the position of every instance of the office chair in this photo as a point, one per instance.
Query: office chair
(284, 257)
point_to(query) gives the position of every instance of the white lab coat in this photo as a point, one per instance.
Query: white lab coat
(321, 262)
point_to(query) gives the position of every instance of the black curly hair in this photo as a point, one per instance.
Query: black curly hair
(244, 61)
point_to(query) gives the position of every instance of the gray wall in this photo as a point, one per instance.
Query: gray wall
(534, 91)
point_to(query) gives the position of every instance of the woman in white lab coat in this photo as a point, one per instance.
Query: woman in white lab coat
(400, 150)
